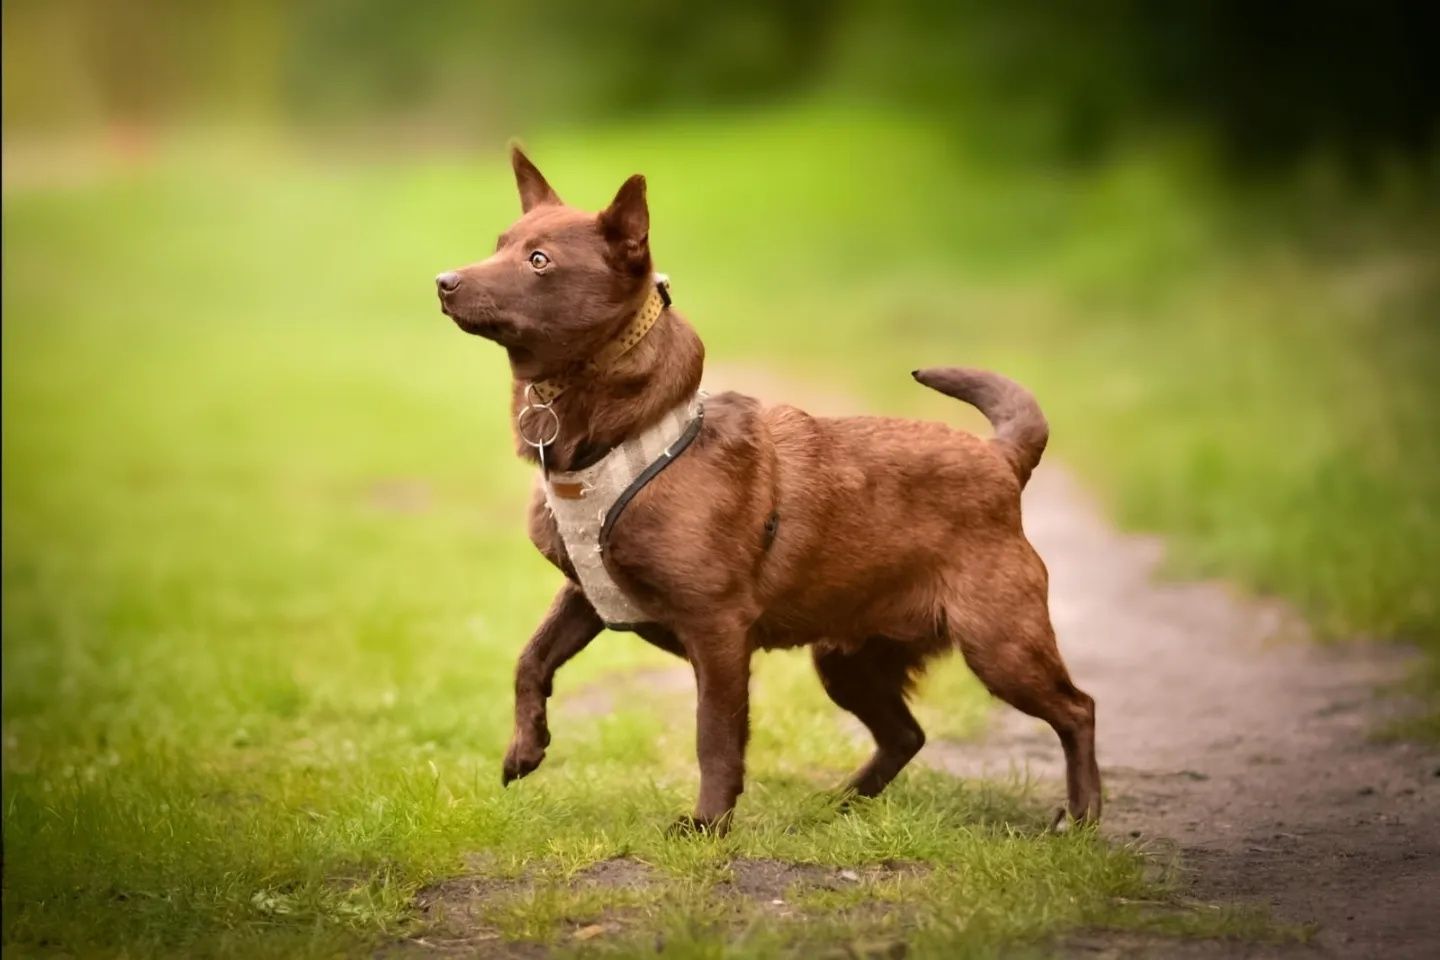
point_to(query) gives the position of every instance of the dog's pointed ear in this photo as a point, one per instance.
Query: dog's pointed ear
(626, 225)
(534, 191)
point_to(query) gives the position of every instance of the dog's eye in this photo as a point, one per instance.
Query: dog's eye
(539, 261)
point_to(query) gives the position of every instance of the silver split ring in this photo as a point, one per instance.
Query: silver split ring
(533, 408)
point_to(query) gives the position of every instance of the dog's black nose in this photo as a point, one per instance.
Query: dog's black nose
(447, 282)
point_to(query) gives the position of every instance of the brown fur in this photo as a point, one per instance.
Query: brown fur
(897, 540)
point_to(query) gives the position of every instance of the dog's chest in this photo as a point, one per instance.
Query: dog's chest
(586, 504)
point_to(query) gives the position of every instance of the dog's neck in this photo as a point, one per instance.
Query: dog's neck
(602, 408)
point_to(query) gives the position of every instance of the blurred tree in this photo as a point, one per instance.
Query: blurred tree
(1269, 82)
(1278, 79)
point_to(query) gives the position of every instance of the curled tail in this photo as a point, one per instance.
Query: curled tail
(1020, 427)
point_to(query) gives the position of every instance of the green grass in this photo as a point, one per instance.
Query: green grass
(265, 574)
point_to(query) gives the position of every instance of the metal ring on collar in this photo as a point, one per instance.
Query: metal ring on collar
(554, 422)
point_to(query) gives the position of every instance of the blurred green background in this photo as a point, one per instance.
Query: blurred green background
(264, 567)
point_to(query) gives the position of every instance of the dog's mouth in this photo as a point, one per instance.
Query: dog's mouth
(494, 330)
(480, 323)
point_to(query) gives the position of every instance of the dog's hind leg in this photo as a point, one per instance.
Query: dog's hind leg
(1015, 656)
(871, 683)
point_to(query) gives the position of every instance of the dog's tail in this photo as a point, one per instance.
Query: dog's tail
(1020, 428)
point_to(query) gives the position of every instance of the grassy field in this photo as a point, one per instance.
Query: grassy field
(265, 576)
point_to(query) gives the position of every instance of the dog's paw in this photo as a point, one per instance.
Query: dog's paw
(844, 799)
(521, 759)
(688, 826)
(1066, 822)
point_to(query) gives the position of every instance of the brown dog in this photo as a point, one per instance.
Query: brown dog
(878, 542)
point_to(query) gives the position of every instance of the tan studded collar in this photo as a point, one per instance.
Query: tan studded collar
(545, 391)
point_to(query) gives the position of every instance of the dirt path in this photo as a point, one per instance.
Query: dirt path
(1223, 730)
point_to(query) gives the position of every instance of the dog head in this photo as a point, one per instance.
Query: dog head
(561, 281)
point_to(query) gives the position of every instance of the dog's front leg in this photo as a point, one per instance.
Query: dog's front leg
(566, 630)
(722, 724)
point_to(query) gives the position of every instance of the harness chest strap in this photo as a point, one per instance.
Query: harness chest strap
(586, 503)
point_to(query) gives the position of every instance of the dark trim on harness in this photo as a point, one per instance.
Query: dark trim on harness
(692, 430)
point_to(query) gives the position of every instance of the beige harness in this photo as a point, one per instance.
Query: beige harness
(587, 502)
